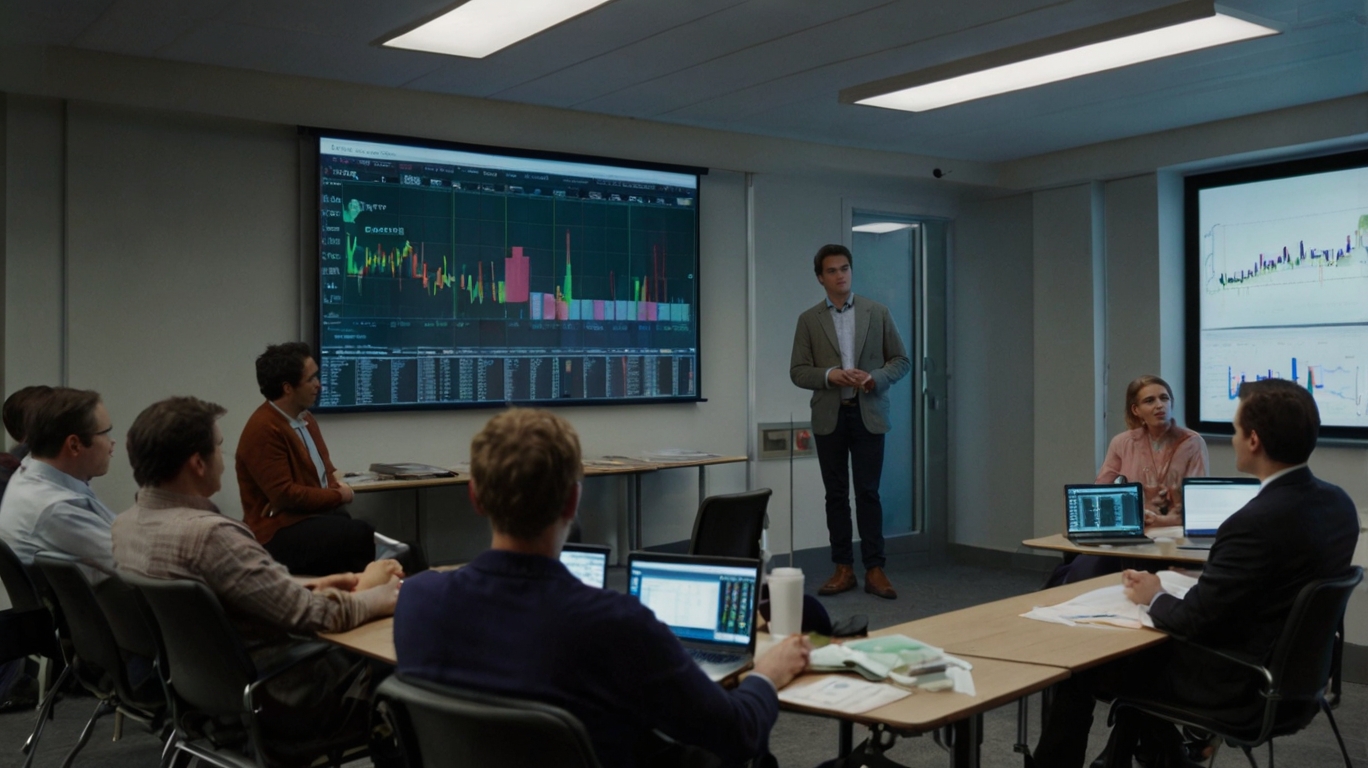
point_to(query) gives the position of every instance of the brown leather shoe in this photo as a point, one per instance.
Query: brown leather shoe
(843, 580)
(877, 584)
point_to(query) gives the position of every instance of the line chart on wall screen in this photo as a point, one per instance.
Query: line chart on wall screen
(1283, 290)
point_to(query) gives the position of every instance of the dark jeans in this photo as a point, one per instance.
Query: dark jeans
(323, 544)
(853, 449)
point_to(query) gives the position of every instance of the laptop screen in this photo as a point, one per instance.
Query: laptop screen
(588, 562)
(707, 600)
(1208, 501)
(1103, 509)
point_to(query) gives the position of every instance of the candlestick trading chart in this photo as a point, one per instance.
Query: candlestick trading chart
(459, 278)
(1284, 291)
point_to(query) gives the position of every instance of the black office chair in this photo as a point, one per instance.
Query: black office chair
(100, 662)
(214, 688)
(731, 525)
(440, 726)
(30, 630)
(1293, 682)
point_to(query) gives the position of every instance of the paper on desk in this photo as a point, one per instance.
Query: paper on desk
(846, 695)
(1109, 606)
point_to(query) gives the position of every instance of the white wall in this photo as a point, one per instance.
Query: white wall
(167, 242)
(992, 390)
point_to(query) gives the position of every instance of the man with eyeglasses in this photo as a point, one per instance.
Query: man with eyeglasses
(49, 504)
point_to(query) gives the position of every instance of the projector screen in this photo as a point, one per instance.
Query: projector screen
(1278, 288)
(453, 276)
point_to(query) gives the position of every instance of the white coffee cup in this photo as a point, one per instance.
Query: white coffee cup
(786, 601)
(1167, 546)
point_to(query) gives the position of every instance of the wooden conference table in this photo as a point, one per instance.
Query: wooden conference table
(627, 466)
(1013, 657)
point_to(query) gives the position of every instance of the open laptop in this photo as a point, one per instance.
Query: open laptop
(588, 562)
(1105, 514)
(707, 602)
(1208, 501)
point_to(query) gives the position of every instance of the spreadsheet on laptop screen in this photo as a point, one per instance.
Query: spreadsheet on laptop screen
(1205, 507)
(1103, 508)
(697, 601)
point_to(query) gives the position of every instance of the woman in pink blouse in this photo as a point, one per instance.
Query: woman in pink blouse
(1155, 451)
(1158, 454)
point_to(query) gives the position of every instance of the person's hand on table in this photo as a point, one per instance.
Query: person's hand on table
(343, 581)
(1140, 586)
(785, 661)
(381, 599)
(347, 493)
(379, 572)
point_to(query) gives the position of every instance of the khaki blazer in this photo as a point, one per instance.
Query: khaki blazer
(878, 350)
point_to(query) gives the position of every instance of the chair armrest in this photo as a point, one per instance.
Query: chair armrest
(1258, 669)
(289, 657)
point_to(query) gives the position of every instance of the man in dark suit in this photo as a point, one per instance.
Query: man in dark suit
(1296, 530)
(849, 353)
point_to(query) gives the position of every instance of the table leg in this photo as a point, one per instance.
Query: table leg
(845, 737)
(1022, 746)
(634, 521)
(418, 526)
(702, 483)
(967, 738)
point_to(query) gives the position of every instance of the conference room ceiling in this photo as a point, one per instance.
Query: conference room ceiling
(768, 67)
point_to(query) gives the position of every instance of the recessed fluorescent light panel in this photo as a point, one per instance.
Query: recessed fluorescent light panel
(478, 28)
(882, 227)
(1169, 31)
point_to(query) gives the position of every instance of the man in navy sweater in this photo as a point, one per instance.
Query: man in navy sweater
(516, 622)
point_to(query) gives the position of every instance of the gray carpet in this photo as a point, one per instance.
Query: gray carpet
(798, 740)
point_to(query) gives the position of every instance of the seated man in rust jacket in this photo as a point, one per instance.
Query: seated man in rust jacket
(292, 498)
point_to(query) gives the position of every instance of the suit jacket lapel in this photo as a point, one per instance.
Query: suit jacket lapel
(862, 314)
(829, 326)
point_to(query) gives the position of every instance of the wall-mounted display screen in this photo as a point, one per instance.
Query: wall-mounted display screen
(1278, 287)
(453, 276)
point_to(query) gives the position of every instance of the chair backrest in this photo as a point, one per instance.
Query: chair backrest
(103, 647)
(443, 726)
(91, 637)
(730, 525)
(1301, 659)
(208, 667)
(30, 627)
(23, 593)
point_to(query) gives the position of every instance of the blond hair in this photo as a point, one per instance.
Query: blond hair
(525, 464)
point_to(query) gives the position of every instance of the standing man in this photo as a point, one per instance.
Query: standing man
(1298, 529)
(292, 498)
(49, 504)
(849, 353)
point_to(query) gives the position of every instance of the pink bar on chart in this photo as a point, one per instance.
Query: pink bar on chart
(548, 306)
(515, 277)
(651, 312)
(562, 310)
(598, 309)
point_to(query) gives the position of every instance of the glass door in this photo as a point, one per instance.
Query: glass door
(898, 257)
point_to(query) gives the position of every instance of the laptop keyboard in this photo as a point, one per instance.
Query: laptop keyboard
(710, 657)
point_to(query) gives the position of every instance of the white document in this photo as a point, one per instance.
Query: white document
(846, 695)
(1109, 606)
